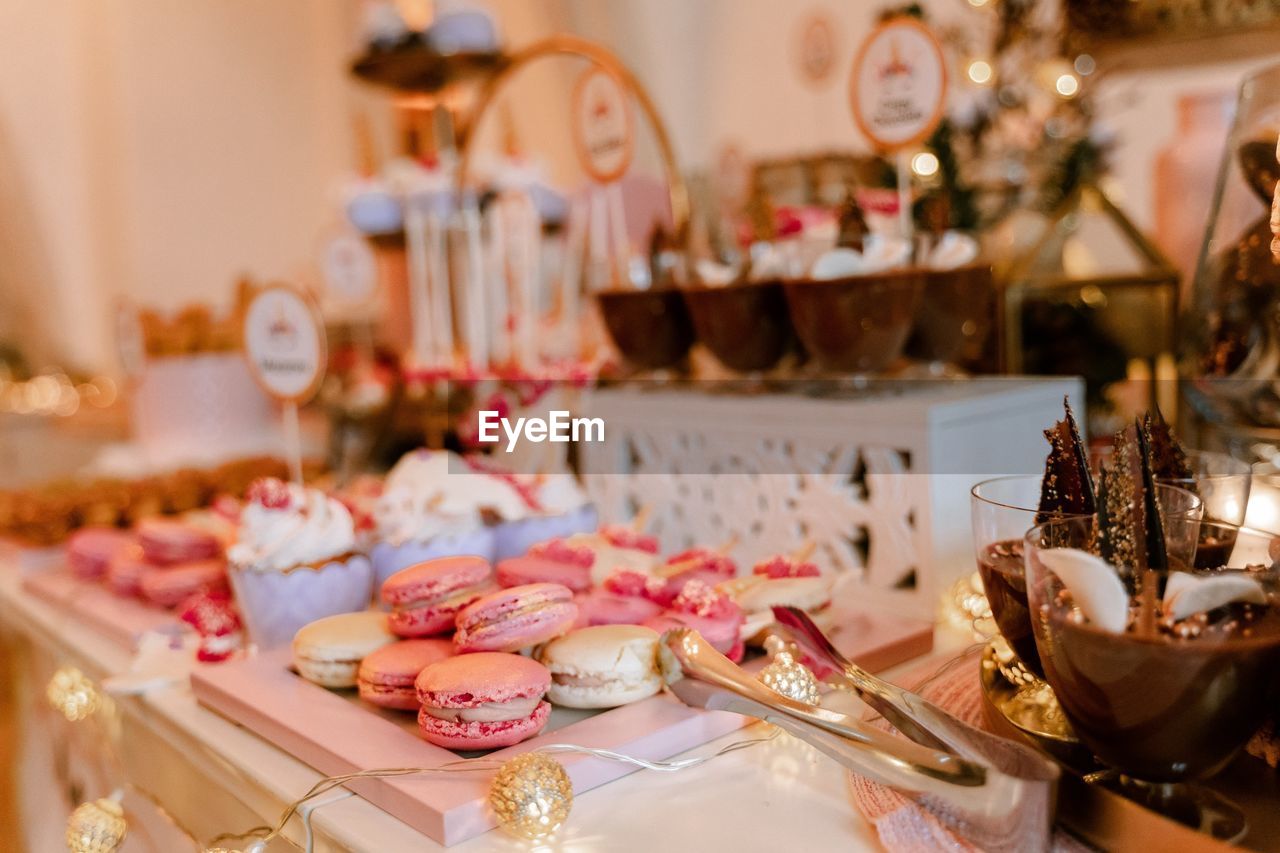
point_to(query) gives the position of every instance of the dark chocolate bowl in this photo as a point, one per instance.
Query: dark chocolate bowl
(857, 324)
(746, 325)
(1159, 706)
(955, 313)
(651, 328)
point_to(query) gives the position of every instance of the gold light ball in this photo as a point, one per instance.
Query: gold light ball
(96, 827)
(789, 677)
(72, 694)
(531, 796)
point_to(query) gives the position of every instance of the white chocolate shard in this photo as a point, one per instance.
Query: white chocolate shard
(1094, 586)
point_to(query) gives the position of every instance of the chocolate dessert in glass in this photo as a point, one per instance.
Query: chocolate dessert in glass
(1004, 508)
(1221, 481)
(1164, 671)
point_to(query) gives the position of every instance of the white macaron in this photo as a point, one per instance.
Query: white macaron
(603, 666)
(328, 651)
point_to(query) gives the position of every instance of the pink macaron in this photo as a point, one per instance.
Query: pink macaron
(90, 549)
(167, 542)
(712, 614)
(516, 618)
(386, 677)
(425, 598)
(125, 571)
(168, 586)
(602, 607)
(519, 571)
(482, 701)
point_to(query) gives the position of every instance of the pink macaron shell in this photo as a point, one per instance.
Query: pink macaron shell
(435, 579)
(482, 735)
(388, 559)
(601, 607)
(386, 677)
(471, 680)
(168, 587)
(427, 597)
(125, 571)
(167, 542)
(515, 618)
(519, 571)
(90, 549)
(427, 620)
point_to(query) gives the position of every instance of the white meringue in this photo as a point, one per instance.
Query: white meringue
(1186, 594)
(1094, 586)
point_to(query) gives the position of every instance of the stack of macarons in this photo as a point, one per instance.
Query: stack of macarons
(91, 549)
(482, 655)
(164, 560)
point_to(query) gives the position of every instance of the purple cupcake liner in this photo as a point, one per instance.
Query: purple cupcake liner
(389, 559)
(514, 538)
(275, 605)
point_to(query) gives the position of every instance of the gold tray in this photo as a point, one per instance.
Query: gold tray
(1103, 817)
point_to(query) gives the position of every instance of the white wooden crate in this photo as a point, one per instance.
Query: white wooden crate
(880, 482)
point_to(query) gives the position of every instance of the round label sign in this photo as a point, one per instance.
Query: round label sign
(899, 84)
(131, 340)
(816, 49)
(349, 268)
(602, 128)
(284, 343)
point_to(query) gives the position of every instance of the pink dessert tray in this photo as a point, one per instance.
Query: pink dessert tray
(122, 620)
(317, 726)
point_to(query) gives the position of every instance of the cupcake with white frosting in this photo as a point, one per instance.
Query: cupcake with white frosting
(555, 506)
(295, 560)
(432, 505)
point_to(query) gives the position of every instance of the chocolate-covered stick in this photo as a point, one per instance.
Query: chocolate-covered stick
(1130, 529)
(1168, 458)
(1067, 487)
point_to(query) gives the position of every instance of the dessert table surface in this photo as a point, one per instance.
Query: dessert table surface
(195, 769)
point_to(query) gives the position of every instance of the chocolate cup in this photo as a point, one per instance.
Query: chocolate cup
(746, 326)
(955, 313)
(651, 328)
(857, 324)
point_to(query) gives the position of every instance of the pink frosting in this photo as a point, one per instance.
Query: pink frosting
(561, 551)
(784, 567)
(620, 536)
(699, 599)
(706, 560)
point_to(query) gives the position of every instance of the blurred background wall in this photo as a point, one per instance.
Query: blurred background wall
(157, 150)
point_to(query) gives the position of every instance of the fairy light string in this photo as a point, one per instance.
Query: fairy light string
(323, 786)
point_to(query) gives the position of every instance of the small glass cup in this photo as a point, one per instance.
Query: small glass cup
(1162, 708)
(1002, 510)
(1223, 483)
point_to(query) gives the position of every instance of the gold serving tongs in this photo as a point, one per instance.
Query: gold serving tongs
(995, 793)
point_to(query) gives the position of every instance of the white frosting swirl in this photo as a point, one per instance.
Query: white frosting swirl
(423, 498)
(558, 493)
(312, 528)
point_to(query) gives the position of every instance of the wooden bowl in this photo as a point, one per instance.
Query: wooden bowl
(857, 324)
(746, 326)
(650, 328)
(955, 313)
